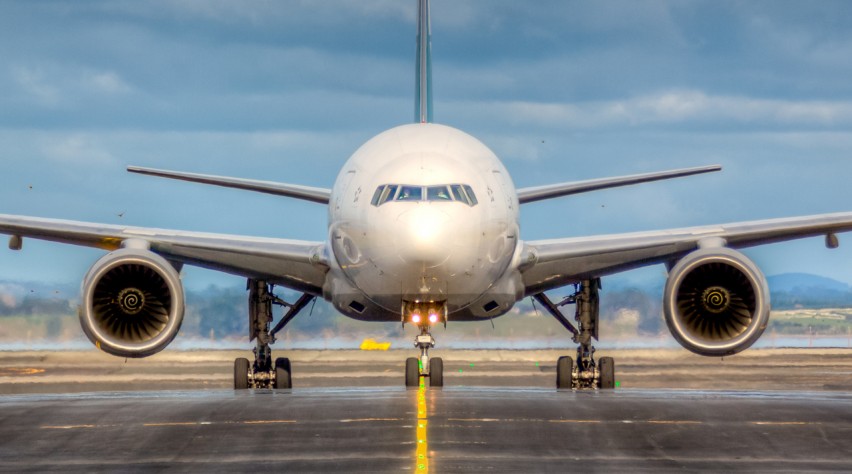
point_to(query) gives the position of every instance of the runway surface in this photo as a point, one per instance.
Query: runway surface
(763, 411)
(93, 370)
(427, 430)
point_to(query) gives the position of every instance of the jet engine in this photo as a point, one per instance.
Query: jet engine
(132, 303)
(716, 302)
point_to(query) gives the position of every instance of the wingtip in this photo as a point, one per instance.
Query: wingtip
(141, 170)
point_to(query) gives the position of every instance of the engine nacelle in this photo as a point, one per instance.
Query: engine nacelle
(132, 303)
(716, 302)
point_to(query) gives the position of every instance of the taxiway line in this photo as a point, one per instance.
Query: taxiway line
(170, 423)
(651, 422)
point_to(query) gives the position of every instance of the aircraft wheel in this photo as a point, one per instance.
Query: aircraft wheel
(412, 372)
(607, 369)
(282, 373)
(241, 370)
(564, 372)
(436, 372)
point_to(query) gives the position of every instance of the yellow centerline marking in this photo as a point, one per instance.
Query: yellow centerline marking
(421, 455)
(15, 371)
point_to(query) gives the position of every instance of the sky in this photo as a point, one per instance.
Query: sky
(288, 90)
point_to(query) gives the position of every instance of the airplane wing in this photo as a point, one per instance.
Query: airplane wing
(549, 264)
(307, 193)
(551, 191)
(300, 265)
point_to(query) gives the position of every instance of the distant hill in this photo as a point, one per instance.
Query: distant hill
(627, 307)
(801, 290)
(801, 282)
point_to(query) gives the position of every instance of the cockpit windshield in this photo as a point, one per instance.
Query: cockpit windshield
(438, 193)
(443, 192)
(410, 193)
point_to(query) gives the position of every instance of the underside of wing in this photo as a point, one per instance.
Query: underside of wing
(549, 264)
(300, 265)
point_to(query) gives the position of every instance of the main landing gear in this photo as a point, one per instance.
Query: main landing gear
(587, 373)
(263, 373)
(424, 316)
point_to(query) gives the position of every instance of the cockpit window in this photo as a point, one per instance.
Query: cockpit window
(471, 197)
(410, 193)
(383, 194)
(377, 195)
(438, 193)
(443, 192)
(458, 194)
(390, 192)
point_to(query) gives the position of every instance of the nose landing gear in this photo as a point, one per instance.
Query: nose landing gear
(424, 316)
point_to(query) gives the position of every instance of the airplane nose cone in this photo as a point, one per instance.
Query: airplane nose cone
(424, 235)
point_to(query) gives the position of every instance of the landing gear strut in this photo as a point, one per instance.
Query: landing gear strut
(424, 316)
(263, 373)
(581, 372)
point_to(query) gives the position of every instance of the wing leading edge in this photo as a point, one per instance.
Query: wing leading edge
(300, 265)
(307, 193)
(551, 191)
(549, 264)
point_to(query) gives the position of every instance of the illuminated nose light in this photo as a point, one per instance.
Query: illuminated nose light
(415, 318)
(433, 318)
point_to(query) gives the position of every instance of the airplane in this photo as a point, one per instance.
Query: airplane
(423, 229)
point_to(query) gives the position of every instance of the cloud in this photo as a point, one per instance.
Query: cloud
(265, 12)
(76, 149)
(675, 107)
(53, 84)
(34, 83)
(107, 83)
(515, 148)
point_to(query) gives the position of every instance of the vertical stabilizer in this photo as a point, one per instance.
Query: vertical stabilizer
(423, 104)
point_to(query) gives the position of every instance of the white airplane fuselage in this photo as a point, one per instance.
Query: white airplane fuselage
(446, 246)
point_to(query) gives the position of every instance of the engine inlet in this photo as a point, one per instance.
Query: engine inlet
(132, 303)
(716, 302)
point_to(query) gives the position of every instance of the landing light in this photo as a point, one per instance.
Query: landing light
(415, 318)
(433, 318)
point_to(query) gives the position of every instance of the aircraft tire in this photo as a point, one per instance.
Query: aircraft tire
(436, 372)
(564, 372)
(607, 369)
(241, 370)
(283, 378)
(412, 372)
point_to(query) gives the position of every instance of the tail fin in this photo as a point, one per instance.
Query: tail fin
(423, 104)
